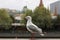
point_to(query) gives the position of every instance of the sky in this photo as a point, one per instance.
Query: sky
(19, 4)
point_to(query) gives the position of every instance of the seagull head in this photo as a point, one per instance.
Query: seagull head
(28, 17)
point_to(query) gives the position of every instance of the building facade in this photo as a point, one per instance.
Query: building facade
(53, 5)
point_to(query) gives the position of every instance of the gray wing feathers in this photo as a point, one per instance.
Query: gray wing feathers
(32, 28)
(40, 30)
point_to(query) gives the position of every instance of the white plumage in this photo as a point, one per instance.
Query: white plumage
(32, 27)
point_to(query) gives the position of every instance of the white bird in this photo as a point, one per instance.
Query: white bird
(32, 27)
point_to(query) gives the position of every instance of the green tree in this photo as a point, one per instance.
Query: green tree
(41, 17)
(5, 19)
(13, 20)
(56, 21)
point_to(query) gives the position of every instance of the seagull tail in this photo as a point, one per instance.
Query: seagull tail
(42, 34)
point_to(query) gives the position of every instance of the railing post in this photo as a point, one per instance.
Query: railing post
(16, 37)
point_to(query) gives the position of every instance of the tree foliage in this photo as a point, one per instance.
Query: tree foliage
(41, 17)
(57, 21)
(5, 19)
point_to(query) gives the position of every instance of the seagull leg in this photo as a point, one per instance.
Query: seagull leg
(32, 36)
(16, 37)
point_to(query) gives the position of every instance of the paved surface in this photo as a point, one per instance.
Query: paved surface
(29, 39)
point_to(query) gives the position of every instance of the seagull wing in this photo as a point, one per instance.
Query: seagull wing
(34, 28)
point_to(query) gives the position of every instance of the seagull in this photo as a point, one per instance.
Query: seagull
(32, 27)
